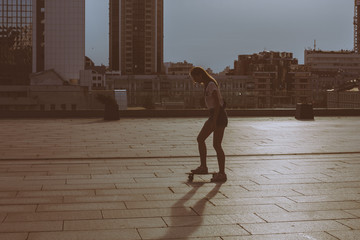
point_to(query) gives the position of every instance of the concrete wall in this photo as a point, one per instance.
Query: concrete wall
(175, 113)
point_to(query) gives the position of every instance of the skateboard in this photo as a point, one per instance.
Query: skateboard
(191, 175)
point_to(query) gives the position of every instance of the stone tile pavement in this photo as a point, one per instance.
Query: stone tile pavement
(89, 179)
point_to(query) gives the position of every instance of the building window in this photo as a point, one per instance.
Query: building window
(52, 107)
(63, 107)
(73, 107)
(262, 86)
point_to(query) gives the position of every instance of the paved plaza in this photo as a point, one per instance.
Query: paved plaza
(87, 179)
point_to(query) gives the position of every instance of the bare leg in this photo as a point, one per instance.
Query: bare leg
(203, 135)
(218, 137)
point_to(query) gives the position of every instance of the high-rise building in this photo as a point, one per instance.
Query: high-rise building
(59, 37)
(15, 41)
(136, 36)
(357, 26)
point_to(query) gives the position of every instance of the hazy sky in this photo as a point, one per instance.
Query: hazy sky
(212, 33)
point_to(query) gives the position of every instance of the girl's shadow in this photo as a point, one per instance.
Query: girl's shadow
(198, 208)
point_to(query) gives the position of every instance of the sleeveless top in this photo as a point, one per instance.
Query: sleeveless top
(209, 98)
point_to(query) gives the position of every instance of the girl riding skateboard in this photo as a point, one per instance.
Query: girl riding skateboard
(216, 123)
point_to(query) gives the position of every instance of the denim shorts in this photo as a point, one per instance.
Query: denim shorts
(222, 120)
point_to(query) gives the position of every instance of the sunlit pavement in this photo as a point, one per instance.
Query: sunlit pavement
(90, 179)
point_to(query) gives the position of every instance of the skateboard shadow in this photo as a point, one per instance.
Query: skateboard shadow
(194, 221)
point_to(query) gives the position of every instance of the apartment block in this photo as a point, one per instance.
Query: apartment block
(331, 63)
(59, 37)
(302, 84)
(272, 81)
(178, 68)
(136, 36)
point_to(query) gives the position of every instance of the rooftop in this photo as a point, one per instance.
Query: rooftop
(91, 179)
(312, 51)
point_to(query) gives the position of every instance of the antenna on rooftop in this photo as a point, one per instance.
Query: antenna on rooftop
(314, 44)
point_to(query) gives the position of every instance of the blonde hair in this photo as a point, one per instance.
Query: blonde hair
(199, 71)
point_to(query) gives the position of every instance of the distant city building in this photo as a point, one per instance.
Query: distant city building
(15, 42)
(93, 76)
(330, 70)
(89, 64)
(272, 80)
(59, 37)
(93, 79)
(50, 92)
(347, 96)
(266, 61)
(178, 91)
(179, 68)
(136, 36)
(357, 26)
(330, 63)
(226, 71)
(301, 90)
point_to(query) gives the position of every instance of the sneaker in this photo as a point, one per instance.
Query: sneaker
(219, 177)
(200, 170)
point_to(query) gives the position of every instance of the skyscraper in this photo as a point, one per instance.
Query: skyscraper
(15, 41)
(357, 26)
(59, 37)
(136, 36)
